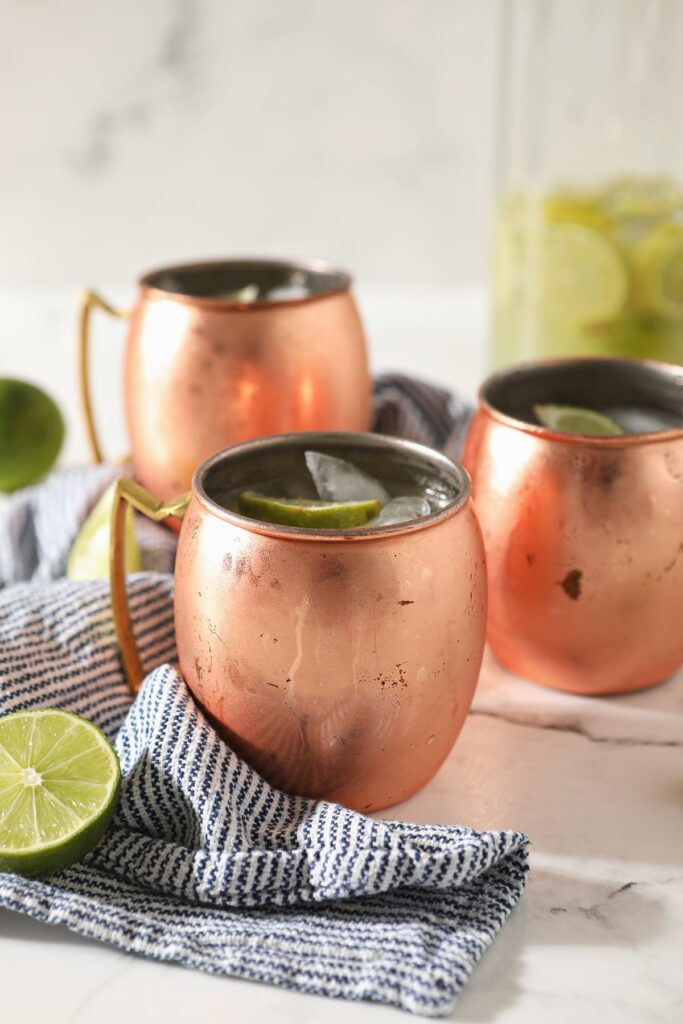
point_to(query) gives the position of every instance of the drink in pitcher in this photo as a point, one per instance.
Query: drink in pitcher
(594, 271)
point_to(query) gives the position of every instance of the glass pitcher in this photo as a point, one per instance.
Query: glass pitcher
(588, 237)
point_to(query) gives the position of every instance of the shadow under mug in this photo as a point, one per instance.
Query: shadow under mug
(340, 663)
(204, 368)
(583, 535)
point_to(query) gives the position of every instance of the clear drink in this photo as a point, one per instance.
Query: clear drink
(313, 489)
(606, 420)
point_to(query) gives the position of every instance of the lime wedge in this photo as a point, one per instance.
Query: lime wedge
(584, 278)
(572, 419)
(321, 515)
(249, 293)
(31, 433)
(59, 780)
(89, 556)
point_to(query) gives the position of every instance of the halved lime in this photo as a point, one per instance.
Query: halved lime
(320, 515)
(89, 555)
(584, 278)
(572, 419)
(31, 433)
(59, 780)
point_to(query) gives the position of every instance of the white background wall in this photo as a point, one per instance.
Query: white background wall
(137, 132)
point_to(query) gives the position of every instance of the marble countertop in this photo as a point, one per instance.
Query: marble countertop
(597, 784)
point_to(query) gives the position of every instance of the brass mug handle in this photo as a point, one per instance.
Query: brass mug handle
(127, 492)
(89, 301)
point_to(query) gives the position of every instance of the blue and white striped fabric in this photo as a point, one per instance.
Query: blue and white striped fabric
(205, 863)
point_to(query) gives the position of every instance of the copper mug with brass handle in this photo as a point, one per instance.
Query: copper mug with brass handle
(340, 663)
(221, 352)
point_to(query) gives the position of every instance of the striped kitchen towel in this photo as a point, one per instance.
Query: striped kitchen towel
(206, 864)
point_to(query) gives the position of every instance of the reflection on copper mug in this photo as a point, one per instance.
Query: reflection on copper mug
(583, 535)
(340, 663)
(221, 352)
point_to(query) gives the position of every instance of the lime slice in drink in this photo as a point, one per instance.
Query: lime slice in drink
(89, 556)
(316, 515)
(59, 780)
(659, 265)
(572, 419)
(584, 279)
(31, 433)
(249, 293)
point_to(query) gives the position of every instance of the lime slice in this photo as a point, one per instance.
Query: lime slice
(575, 208)
(629, 198)
(584, 278)
(89, 556)
(572, 419)
(248, 293)
(31, 433)
(321, 515)
(59, 780)
(659, 265)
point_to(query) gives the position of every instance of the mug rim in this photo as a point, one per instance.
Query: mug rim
(563, 437)
(364, 439)
(312, 264)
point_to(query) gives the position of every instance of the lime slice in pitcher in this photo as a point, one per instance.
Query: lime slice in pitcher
(59, 780)
(31, 433)
(89, 556)
(584, 278)
(659, 262)
(572, 419)
(319, 515)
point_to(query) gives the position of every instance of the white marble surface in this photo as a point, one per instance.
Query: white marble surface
(138, 133)
(596, 784)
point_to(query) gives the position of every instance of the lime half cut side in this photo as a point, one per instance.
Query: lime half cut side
(314, 515)
(584, 278)
(59, 780)
(89, 556)
(572, 419)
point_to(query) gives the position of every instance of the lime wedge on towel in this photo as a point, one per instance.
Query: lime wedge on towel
(89, 556)
(59, 780)
(320, 515)
(572, 419)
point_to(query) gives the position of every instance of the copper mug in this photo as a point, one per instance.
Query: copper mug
(203, 371)
(583, 535)
(340, 663)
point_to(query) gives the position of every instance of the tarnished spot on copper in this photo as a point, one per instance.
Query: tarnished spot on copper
(571, 584)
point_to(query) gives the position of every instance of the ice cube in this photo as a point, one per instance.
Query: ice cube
(637, 420)
(337, 480)
(401, 510)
